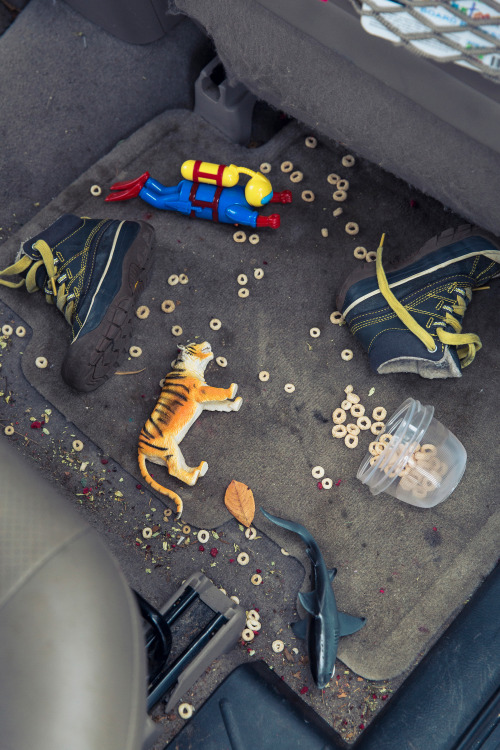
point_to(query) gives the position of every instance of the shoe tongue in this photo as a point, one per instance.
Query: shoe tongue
(54, 234)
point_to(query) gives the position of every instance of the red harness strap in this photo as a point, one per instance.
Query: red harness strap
(215, 178)
(213, 204)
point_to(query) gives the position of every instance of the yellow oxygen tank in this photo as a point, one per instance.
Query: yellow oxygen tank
(213, 174)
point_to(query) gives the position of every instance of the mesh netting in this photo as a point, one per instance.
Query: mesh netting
(464, 31)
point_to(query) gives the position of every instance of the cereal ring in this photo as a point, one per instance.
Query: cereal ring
(215, 324)
(202, 536)
(235, 599)
(364, 423)
(77, 445)
(221, 361)
(142, 312)
(429, 448)
(314, 333)
(307, 196)
(297, 176)
(243, 558)
(96, 190)
(176, 331)
(349, 389)
(253, 624)
(258, 273)
(167, 512)
(223, 590)
(343, 185)
(379, 414)
(339, 196)
(250, 532)
(253, 615)
(339, 416)
(186, 529)
(239, 236)
(278, 646)
(353, 397)
(289, 387)
(185, 711)
(256, 579)
(318, 472)
(183, 279)
(286, 166)
(374, 459)
(247, 635)
(242, 279)
(348, 160)
(41, 363)
(20, 331)
(254, 239)
(358, 410)
(263, 376)
(336, 318)
(265, 167)
(377, 427)
(351, 227)
(333, 178)
(352, 429)
(418, 492)
(7, 330)
(338, 211)
(135, 351)
(376, 448)
(147, 532)
(162, 382)
(311, 141)
(243, 292)
(346, 355)
(9, 430)
(339, 431)
(346, 405)
(284, 552)
(324, 232)
(168, 306)
(173, 279)
(326, 483)
(371, 256)
(386, 438)
(360, 252)
(351, 441)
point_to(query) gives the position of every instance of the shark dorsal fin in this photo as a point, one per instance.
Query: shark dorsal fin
(332, 572)
(300, 629)
(350, 624)
(310, 602)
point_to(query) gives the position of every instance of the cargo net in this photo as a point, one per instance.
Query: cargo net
(463, 31)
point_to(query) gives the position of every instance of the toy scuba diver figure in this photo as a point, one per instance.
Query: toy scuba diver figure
(208, 191)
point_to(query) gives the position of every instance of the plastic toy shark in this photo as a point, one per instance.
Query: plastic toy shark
(324, 624)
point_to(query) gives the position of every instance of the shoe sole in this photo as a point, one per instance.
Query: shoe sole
(90, 362)
(435, 243)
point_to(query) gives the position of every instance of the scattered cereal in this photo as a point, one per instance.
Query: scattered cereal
(239, 236)
(364, 423)
(351, 227)
(379, 414)
(242, 279)
(338, 211)
(358, 410)
(142, 312)
(278, 646)
(371, 256)
(77, 445)
(235, 599)
(307, 196)
(203, 536)
(186, 529)
(353, 397)
(360, 253)
(173, 279)
(311, 141)
(314, 333)
(289, 387)
(349, 389)
(264, 376)
(284, 552)
(333, 178)
(343, 185)
(351, 441)
(346, 354)
(253, 624)
(9, 430)
(135, 351)
(286, 166)
(297, 176)
(327, 483)
(348, 160)
(243, 292)
(183, 279)
(250, 533)
(253, 615)
(254, 239)
(243, 558)
(221, 361)
(7, 330)
(352, 429)
(339, 196)
(176, 331)
(248, 635)
(336, 318)
(147, 532)
(324, 232)
(256, 579)
(339, 431)
(168, 306)
(318, 472)
(185, 711)
(339, 416)
(20, 331)
(258, 273)
(377, 428)
(265, 167)
(96, 190)
(215, 324)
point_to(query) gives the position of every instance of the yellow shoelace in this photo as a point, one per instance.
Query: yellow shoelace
(59, 293)
(467, 344)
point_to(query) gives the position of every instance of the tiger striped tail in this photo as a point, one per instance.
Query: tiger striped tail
(158, 487)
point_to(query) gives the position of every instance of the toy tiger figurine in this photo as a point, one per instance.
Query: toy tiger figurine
(184, 396)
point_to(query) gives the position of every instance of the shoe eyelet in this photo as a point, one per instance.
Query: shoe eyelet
(432, 351)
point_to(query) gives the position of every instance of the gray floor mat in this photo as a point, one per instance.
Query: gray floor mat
(405, 569)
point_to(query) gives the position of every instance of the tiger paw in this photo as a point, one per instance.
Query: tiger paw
(234, 390)
(203, 467)
(237, 403)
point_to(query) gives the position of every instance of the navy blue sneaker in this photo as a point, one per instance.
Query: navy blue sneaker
(410, 320)
(94, 271)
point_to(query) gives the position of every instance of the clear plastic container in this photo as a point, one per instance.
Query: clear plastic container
(421, 462)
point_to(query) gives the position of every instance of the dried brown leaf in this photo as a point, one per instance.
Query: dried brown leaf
(240, 502)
